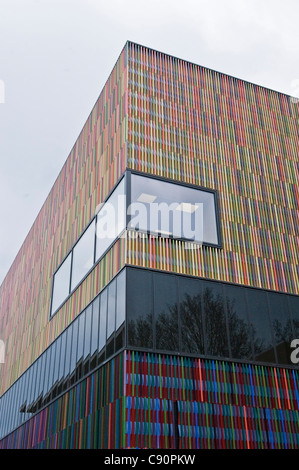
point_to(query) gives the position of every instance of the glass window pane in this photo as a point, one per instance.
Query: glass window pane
(190, 298)
(139, 308)
(238, 324)
(215, 320)
(111, 308)
(81, 333)
(80, 345)
(103, 319)
(294, 309)
(61, 375)
(42, 377)
(52, 361)
(38, 379)
(35, 369)
(61, 287)
(95, 325)
(83, 255)
(166, 312)
(57, 360)
(87, 335)
(25, 395)
(111, 219)
(281, 326)
(68, 352)
(83, 368)
(121, 299)
(15, 405)
(260, 327)
(73, 361)
(170, 209)
(46, 372)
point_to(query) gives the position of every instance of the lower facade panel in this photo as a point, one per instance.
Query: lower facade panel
(141, 400)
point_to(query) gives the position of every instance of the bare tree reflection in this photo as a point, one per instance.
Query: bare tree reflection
(206, 322)
(140, 332)
(215, 324)
(192, 324)
(167, 331)
(241, 333)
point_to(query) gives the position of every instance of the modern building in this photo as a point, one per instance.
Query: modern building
(155, 300)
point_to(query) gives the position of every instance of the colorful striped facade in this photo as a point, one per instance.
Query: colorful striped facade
(131, 401)
(165, 117)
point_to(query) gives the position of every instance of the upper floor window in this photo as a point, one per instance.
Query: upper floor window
(61, 283)
(83, 255)
(142, 203)
(174, 210)
(111, 219)
(103, 230)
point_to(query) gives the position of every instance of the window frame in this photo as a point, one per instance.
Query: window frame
(127, 177)
(131, 173)
(72, 289)
(95, 261)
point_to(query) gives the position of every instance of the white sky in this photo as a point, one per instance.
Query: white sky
(56, 55)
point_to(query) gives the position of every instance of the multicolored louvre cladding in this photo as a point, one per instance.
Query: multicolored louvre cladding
(173, 122)
(191, 124)
(150, 401)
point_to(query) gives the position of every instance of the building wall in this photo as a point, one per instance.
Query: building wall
(88, 416)
(94, 165)
(198, 126)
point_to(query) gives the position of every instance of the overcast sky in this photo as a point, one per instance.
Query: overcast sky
(56, 55)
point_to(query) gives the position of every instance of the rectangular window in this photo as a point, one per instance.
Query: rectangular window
(260, 327)
(281, 327)
(215, 330)
(294, 309)
(95, 331)
(62, 361)
(238, 323)
(173, 210)
(87, 335)
(111, 219)
(190, 309)
(83, 255)
(120, 300)
(139, 308)
(166, 312)
(61, 286)
(111, 308)
(103, 320)
(153, 206)
(73, 361)
(57, 362)
(80, 347)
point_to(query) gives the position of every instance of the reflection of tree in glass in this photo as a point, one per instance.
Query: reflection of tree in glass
(192, 326)
(282, 334)
(242, 333)
(167, 331)
(215, 324)
(296, 327)
(140, 332)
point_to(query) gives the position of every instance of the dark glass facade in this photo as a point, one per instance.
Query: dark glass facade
(88, 342)
(173, 313)
(141, 309)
